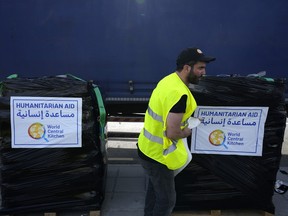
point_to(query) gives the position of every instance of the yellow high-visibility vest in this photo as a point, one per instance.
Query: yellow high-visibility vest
(152, 140)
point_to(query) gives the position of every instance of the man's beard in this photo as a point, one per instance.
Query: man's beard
(192, 78)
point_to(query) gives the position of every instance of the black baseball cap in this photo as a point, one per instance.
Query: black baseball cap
(192, 54)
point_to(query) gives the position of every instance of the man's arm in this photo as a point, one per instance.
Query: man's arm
(174, 131)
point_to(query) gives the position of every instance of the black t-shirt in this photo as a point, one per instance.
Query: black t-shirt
(179, 107)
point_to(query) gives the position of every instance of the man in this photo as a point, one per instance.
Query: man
(160, 145)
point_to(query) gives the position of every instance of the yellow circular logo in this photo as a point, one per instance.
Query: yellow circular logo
(36, 130)
(217, 137)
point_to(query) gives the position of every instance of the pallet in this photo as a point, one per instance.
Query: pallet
(91, 213)
(180, 213)
(223, 213)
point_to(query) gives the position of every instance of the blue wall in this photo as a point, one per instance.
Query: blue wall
(114, 41)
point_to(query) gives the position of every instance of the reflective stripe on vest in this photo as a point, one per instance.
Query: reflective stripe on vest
(154, 115)
(159, 140)
(152, 138)
(159, 118)
(171, 148)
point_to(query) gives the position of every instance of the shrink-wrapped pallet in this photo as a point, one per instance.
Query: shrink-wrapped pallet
(51, 178)
(214, 181)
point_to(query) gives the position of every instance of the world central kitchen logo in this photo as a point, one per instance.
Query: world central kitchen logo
(219, 138)
(38, 131)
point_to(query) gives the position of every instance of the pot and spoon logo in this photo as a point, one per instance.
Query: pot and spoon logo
(217, 138)
(37, 131)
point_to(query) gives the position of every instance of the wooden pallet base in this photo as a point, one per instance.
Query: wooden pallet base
(223, 213)
(91, 213)
(188, 213)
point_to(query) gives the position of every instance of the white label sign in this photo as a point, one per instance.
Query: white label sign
(229, 130)
(46, 122)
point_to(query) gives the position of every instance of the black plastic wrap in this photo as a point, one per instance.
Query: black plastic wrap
(229, 181)
(52, 178)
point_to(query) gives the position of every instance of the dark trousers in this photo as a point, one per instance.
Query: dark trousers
(160, 194)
